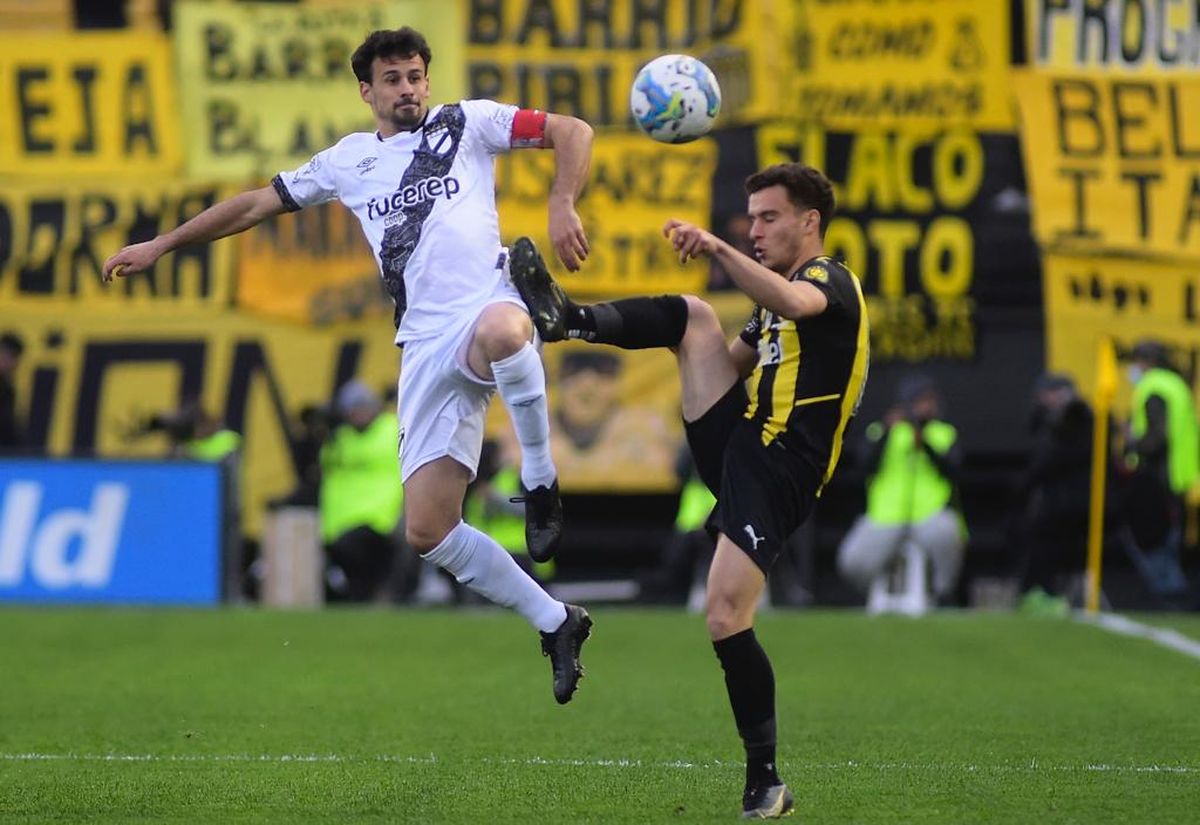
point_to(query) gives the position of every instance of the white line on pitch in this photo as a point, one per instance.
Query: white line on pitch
(1116, 623)
(1032, 766)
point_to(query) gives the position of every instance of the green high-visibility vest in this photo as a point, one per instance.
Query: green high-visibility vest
(214, 447)
(1183, 439)
(360, 479)
(907, 487)
(695, 503)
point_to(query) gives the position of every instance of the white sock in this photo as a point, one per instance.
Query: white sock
(521, 380)
(487, 568)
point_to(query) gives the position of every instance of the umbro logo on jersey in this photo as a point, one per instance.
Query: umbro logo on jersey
(366, 165)
(414, 193)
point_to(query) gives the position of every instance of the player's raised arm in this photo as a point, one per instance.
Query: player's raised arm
(228, 217)
(571, 140)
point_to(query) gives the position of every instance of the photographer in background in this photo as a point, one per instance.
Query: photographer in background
(912, 461)
(361, 497)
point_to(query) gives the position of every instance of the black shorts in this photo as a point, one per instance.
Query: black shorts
(764, 493)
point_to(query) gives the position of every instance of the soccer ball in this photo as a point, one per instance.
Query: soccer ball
(675, 98)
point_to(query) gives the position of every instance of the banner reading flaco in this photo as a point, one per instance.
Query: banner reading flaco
(880, 63)
(580, 59)
(55, 237)
(86, 104)
(1088, 296)
(917, 219)
(1113, 161)
(265, 85)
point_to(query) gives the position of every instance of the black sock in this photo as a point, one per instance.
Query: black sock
(630, 323)
(750, 682)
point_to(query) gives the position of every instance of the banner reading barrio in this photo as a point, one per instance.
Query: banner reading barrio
(264, 86)
(634, 186)
(881, 63)
(1113, 160)
(579, 59)
(87, 104)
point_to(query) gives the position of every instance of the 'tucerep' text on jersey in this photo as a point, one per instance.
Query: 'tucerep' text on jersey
(426, 200)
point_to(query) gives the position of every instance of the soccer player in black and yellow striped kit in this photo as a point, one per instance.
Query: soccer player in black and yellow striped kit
(765, 414)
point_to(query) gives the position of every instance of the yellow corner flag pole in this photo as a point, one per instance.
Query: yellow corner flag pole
(1106, 388)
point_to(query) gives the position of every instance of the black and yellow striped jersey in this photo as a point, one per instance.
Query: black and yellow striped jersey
(811, 373)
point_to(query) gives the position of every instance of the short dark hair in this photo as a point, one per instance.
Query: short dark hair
(807, 188)
(403, 42)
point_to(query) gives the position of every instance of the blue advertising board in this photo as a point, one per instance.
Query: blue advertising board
(110, 531)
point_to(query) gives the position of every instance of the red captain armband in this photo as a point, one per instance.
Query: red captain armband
(529, 129)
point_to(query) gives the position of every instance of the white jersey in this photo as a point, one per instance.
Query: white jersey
(426, 200)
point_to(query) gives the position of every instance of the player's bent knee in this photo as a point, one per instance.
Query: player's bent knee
(502, 330)
(423, 536)
(724, 616)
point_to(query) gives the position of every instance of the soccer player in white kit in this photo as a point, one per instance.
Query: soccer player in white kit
(423, 187)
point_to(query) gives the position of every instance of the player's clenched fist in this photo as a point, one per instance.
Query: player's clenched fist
(131, 260)
(689, 240)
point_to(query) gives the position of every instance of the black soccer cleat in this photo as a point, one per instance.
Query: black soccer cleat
(767, 802)
(547, 301)
(543, 520)
(562, 646)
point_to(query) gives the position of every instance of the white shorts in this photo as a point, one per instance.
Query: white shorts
(442, 403)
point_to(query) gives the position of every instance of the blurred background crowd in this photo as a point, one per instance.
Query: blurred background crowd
(1019, 190)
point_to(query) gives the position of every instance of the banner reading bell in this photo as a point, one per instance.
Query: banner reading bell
(1113, 161)
(86, 104)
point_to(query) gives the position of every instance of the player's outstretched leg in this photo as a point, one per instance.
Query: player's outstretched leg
(630, 323)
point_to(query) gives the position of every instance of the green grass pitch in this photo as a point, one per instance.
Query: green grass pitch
(365, 716)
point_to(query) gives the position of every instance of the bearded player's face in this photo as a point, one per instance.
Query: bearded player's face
(398, 93)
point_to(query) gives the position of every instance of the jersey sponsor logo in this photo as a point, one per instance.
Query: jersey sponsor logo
(423, 190)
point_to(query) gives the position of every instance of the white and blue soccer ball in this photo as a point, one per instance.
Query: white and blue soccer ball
(675, 98)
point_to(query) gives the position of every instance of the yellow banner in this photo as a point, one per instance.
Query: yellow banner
(904, 201)
(59, 235)
(91, 379)
(1113, 161)
(635, 185)
(265, 85)
(87, 104)
(313, 267)
(1114, 34)
(1089, 297)
(580, 59)
(876, 63)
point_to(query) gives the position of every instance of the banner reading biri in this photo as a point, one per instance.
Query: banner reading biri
(266, 85)
(1113, 161)
(85, 104)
